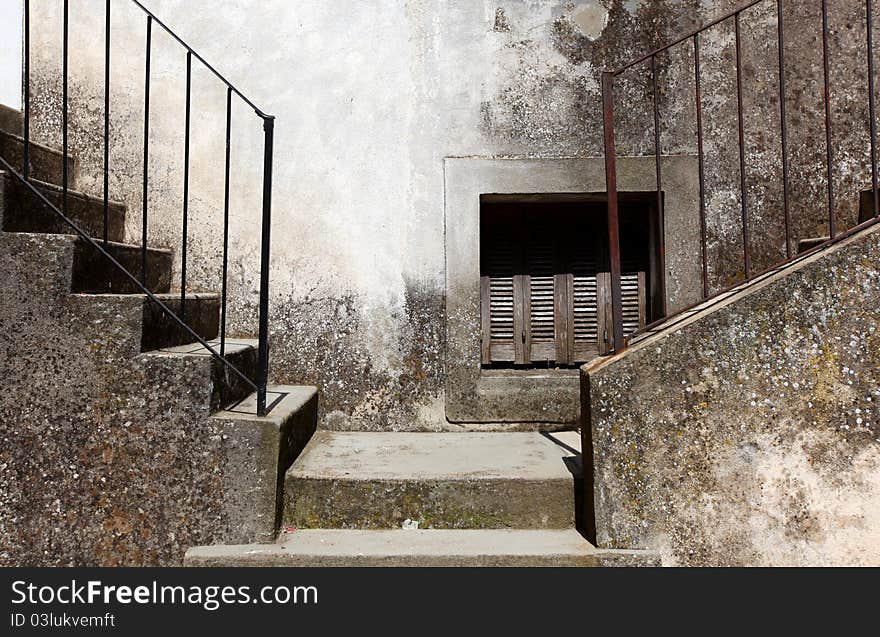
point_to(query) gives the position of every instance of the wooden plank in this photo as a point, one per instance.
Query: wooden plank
(642, 301)
(486, 319)
(502, 352)
(521, 311)
(603, 310)
(563, 315)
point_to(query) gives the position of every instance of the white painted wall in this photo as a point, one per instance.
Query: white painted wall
(10, 52)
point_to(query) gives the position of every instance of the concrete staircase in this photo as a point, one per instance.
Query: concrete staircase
(42, 255)
(338, 499)
(430, 499)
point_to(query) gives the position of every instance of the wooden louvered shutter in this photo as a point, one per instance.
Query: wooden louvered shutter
(543, 298)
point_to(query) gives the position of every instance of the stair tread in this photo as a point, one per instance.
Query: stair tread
(34, 144)
(233, 345)
(436, 456)
(436, 541)
(73, 193)
(448, 547)
(116, 245)
(282, 399)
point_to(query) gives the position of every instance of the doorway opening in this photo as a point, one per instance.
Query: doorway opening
(545, 285)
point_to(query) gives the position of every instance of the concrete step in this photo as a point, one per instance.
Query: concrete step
(256, 452)
(22, 211)
(437, 480)
(227, 387)
(510, 547)
(11, 120)
(46, 163)
(94, 273)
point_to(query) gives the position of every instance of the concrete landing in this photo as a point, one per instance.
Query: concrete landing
(438, 480)
(304, 548)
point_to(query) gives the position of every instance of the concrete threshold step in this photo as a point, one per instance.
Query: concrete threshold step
(22, 211)
(435, 480)
(46, 163)
(511, 547)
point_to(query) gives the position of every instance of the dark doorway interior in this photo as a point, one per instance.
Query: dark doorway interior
(545, 283)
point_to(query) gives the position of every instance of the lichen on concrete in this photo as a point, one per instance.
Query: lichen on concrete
(750, 435)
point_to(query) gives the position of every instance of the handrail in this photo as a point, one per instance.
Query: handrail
(195, 54)
(619, 339)
(268, 121)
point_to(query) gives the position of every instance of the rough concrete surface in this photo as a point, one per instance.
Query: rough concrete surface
(420, 548)
(434, 480)
(749, 434)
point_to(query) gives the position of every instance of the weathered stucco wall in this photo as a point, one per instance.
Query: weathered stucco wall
(751, 435)
(370, 98)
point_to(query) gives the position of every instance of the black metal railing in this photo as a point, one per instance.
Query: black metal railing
(619, 339)
(259, 383)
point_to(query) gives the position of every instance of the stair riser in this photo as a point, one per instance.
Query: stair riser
(24, 212)
(94, 273)
(201, 315)
(46, 164)
(229, 388)
(447, 504)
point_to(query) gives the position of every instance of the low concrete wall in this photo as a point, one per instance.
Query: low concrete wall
(750, 435)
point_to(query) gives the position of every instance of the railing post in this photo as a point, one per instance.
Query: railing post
(26, 153)
(613, 224)
(263, 355)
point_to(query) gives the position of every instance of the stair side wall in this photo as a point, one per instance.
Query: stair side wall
(750, 436)
(107, 457)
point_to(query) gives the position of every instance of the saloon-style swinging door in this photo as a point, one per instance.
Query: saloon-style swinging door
(545, 286)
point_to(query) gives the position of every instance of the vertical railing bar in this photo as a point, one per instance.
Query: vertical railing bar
(613, 222)
(780, 30)
(225, 223)
(106, 122)
(827, 96)
(263, 354)
(185, 229)
(742, 149)
(26, 154)
(658, 177)
(869, 7)
(146, 151)
(701, 164)
(64, 97)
